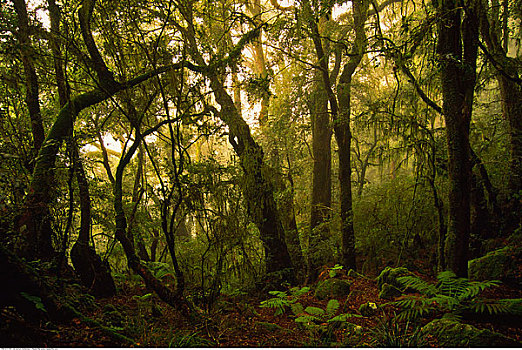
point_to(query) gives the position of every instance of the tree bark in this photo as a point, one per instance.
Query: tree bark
(343, 133)
(257, 187)
(31, 80)
(321, 201)
(457, 50)
(508, 78)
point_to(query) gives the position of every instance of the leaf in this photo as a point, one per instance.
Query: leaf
(297, 308)
(332, 307)
(296, 291)
(343, 317)
(316, 311)
(306, 319)
(143, 297)
(37, 301)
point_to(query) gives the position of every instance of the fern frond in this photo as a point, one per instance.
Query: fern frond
(316, 311)
(297, 308)
(491, 307)
(418, 284)
(475, 288)
(306, 320)
(332, 307)
(343, 317)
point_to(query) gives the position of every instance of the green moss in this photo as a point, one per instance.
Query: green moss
(451, 333)
(390, 274)
(332, 287)
(389, 291)
(501, 264)
(270, 326)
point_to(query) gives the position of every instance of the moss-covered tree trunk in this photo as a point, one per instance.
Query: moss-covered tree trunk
(172, 297)
(343, 133)
(496, 37)
(257, 187)
(319, 251)
(27, 55)
(457, 50)
(34, 222)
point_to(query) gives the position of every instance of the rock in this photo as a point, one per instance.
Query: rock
(368, 309)
(390, 274)
(389, 291)
(331, 288)
(451, 333)
(503, 264)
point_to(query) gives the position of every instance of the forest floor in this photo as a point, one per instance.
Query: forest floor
(240, 321)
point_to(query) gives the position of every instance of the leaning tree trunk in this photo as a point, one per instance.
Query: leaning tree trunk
(457, 50)
(94, 274)
(285, 203)
(256, 187)
(172, 297)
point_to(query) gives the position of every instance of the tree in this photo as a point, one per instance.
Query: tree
(495, 33)
(457, 50)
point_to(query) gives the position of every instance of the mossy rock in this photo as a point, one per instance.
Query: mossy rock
(389, 291)
(368, 309)
(331, 288)
(389, 276)
(503, 264)
(451, 333)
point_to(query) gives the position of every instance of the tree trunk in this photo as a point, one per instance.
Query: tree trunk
(457, 50)
(31, 81)
(273, 161)
(319, 251)
(257, 187)
(508, 78)
(93, 272)
(343, 134)
(173, 298)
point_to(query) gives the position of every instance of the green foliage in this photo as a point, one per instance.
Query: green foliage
(390, 275)
(388, 215)
(316, 317)
(37, 301)
(159, 269)
(333, 271)
(451, 295)
(192, 340)
(321, 323)
(394, 334)
(281, 300)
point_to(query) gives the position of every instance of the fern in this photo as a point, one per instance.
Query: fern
(332, 307)
(418, 284)
(281, 300)
(451, 295)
